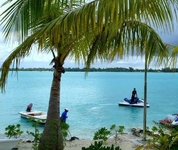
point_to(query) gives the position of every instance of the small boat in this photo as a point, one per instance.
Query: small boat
(170, 120)
(138, 102)
(8, 144)
(34, 115)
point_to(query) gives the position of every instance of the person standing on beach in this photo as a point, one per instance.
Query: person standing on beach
(64, 115)
(29, 107)
(134, 94)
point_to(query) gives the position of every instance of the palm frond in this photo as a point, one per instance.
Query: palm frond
(133, 38)
(14, 59)
(24, 15)
(174, 57)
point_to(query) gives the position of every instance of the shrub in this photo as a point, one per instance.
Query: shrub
(13, 131)
(102, 134)
(163, 140)
(36, 136)
(98, 146)
(117, 130)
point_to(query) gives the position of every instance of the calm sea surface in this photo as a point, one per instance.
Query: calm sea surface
(92, 101)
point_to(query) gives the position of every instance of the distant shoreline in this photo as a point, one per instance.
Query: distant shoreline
(117, 69)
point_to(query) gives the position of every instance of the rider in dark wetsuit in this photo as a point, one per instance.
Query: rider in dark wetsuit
(134, 94)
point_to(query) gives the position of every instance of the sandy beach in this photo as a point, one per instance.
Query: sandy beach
(125, 141)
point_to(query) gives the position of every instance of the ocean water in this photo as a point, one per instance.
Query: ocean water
(92, 101)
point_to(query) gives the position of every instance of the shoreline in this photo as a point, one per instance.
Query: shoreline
(125, 142)
(127, 130)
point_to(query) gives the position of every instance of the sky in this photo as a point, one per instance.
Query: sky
(36, 60)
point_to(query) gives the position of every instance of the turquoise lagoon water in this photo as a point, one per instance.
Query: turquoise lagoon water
(92, 101)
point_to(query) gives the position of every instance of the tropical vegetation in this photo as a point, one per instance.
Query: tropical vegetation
(13, 131)
(99, 30)
(161, 138)
(99, 146)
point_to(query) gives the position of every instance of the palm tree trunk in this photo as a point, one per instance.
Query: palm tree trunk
(51, 138)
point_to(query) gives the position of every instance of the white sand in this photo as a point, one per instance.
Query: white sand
(125, 141)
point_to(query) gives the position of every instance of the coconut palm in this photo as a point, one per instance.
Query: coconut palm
(100, 29)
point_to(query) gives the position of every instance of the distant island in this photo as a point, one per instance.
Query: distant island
(117, 69)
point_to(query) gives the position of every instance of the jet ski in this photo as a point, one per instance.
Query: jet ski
(170, 120)
(138, 102)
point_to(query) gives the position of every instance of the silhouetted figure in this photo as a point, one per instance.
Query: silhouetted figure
(134, 94)
(29, 107)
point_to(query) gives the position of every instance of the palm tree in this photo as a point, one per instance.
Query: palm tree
(100, 29)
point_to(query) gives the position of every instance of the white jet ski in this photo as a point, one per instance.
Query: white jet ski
(136, 103)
